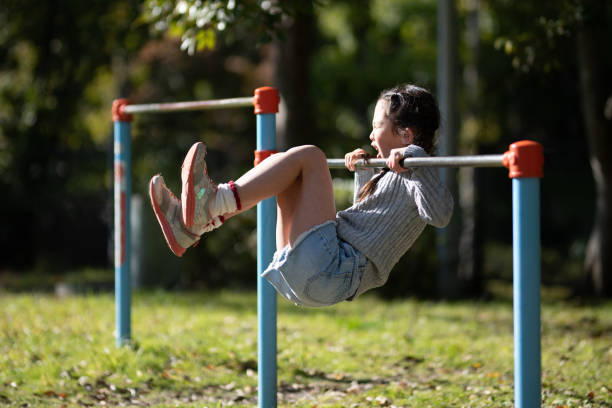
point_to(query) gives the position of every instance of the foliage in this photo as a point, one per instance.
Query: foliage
(199, 349)
(531, 88)
(543, 40)
(198, 22)
(54, 58)
(355, 41)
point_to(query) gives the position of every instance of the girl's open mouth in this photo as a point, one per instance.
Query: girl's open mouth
(378, 155)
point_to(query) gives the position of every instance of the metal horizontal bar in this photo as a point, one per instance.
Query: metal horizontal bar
(486, 160)
(190, 106)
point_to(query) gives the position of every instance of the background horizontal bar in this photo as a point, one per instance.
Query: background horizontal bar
(486, 160)
(190, 106)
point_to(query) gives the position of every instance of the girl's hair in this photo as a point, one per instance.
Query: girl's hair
(408, 106)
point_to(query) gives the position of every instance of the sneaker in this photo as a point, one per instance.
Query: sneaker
(198, 188)
(168, 212)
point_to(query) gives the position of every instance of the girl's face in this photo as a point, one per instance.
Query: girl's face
(383, 137)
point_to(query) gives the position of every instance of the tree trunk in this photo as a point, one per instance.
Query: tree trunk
(470, 253)
(447, 282)
(296, 123)
(595, 91)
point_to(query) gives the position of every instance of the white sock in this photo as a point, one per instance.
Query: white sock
(224, 202)
(214, 223)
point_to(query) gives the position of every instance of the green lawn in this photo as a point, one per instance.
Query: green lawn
(199, 350)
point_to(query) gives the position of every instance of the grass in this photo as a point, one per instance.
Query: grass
(199, 350)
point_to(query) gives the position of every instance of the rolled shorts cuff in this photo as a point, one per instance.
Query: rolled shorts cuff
(319, 270)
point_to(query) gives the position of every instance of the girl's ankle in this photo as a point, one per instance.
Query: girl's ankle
(215, 222)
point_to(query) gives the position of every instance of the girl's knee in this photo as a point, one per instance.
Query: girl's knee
(310, 154)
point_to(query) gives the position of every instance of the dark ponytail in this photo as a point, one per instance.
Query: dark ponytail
(408, 106)
(370, 186)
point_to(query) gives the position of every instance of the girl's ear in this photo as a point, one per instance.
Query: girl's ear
(407, 136)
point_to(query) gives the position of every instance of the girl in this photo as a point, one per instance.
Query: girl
(323, 256)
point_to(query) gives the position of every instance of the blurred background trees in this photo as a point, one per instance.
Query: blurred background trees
(56, 77)
(527, 71)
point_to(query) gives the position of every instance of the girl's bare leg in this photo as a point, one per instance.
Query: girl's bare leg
(285, 206)
(301, 181)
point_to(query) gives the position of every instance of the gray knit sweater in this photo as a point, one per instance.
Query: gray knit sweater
(385, 225)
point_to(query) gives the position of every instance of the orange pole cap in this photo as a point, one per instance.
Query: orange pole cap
(524, 159)
(261, 155)
(266, 100)
(119, 114)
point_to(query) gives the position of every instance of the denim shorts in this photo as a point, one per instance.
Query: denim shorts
(319, 270)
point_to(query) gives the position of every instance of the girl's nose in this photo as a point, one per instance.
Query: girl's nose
(372, 136)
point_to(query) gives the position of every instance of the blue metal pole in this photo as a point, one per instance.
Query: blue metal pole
(266, 295)
(122, 176)
(526, 270)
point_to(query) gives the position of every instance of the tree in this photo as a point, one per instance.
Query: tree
(551, 37)
(470, 243)
(198, 23)
(288, 25)
(597, 110)
(55, 70)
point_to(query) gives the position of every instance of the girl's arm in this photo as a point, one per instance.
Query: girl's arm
(352, 157)
(362, 174)
(432, 198)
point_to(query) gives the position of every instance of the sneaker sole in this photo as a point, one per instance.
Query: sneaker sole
(187, 195)
(165, 225)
